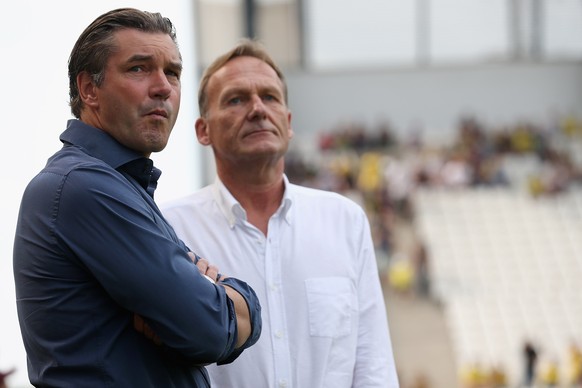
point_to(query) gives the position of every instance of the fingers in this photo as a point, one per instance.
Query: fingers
(194, 257)
(201, 263)
(142, 327)
(208, 269)
(205, 267)
(138, 323)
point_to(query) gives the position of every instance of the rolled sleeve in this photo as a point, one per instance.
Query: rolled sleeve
(255, 317)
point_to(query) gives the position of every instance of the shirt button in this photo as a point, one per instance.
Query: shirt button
(279, 334)
(274, 287)
(282, 383)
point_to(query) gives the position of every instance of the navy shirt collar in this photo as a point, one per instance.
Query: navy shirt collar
(101, 145)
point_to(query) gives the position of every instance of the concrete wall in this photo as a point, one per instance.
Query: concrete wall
(434, 98)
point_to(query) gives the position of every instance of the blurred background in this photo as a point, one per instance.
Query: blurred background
(456, 124)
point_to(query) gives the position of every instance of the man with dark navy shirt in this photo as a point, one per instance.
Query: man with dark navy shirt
(107, 295)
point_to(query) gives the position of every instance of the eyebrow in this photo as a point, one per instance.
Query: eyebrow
(142, 57)
(238, 89)
(139, 58)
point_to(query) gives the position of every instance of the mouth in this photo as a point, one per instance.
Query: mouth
(258, 132)
(158, 113)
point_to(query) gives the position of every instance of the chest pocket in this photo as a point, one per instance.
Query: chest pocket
(330, 303)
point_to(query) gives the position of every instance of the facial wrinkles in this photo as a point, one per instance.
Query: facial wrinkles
(142, 105)
(261, 113)
(230, 123)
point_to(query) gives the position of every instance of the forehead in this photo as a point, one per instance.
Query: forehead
(131, 42)
(245, 70)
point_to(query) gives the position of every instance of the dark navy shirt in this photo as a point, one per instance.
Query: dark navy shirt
(91, 250)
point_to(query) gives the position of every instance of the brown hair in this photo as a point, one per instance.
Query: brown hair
(245, 48)
(95, 45)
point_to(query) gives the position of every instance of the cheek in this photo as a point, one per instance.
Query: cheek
(177, 97)
(177, 101)
(226, 125)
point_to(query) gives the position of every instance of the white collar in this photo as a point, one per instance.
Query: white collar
(233, 210)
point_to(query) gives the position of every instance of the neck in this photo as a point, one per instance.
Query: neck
(259, 192)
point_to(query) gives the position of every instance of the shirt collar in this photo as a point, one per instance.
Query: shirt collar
(99, 144)
(232, 209)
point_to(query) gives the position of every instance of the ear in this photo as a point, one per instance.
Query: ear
(202, 131)
(290, 131)
(87, 89)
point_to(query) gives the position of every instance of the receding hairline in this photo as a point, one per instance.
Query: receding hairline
(245, 48)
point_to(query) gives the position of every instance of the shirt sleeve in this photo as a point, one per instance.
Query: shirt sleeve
(375, 366)
(255, 314)
(112, 229)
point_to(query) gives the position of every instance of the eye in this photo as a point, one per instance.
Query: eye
(234, 101)
(173, 73)
(136, 69)
(269, 97)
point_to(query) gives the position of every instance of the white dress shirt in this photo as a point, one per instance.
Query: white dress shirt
(323, 311)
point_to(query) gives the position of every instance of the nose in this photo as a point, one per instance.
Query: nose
(258, 110)
(160, 87)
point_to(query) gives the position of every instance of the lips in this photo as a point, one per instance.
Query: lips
(158, 112)
(258, 131)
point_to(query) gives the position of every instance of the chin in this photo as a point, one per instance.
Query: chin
(156, 142)
(158, 148)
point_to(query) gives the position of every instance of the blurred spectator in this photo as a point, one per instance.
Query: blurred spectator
(369, 178)
(497, 377)
(383, 230)
(401, 275)
(554, 176)
(530, 362)
(523, 139)
(549, 375)
(420, 381)
(4, 375)
(571, 126)
(400, 179)
(456, 172)
(301, 171)
(421, 272)
(473, 376)
(491, 173)
(574, 371)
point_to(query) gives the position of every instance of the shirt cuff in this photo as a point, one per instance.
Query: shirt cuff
(255, 316)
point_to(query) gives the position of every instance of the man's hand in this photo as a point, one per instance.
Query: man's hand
(205, 268)
(240, 305)
(142, 327)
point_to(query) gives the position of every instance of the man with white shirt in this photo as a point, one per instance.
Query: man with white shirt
(308, 254)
